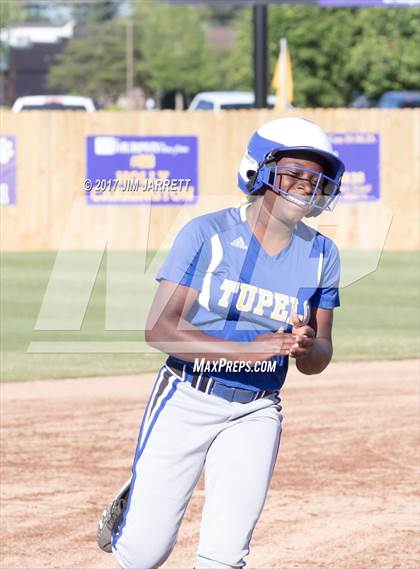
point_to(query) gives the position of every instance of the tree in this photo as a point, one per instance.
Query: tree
(385, 54)
(318, 40)
(219, 14)
(176, 56)
(238, 65)
(87, 13)
(336, 53)
(34, 11)
(94, 64)
(171, 55)
(10, 13)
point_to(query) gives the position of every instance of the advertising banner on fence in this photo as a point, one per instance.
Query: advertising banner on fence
(360, 152)
(322, 3)
(7, 170)
(367, 3)
(137, 170)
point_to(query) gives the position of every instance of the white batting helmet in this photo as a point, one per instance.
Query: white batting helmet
(279, 138)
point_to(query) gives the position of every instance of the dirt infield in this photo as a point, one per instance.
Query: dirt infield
(344, 493)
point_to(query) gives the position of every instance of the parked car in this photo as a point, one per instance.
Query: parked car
(53, 102)
(362, 102)
(389, 100)
(226, 100)
(399, 100)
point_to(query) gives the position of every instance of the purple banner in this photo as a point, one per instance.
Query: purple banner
(322, 3)
(138, 170)
(367, 3)
(7, 170)
(360, 152)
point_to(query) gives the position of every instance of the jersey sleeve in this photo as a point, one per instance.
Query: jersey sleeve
(187, 260)
(327, 293)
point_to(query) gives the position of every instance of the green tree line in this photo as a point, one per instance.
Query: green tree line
(336, 53)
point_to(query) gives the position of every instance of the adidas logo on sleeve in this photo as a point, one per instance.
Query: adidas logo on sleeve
(239, 243)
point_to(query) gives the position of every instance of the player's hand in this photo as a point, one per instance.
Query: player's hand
(305, 337)
(265, 346)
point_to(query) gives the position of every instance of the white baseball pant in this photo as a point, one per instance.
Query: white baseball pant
(182, 430)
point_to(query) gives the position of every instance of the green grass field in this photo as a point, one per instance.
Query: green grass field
(379, 317)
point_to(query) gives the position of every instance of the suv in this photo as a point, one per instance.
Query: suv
(399, 100)
(389, 100)
(53, 103)
(226, 100)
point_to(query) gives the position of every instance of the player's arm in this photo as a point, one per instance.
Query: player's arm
(168, 330)
(313, 348)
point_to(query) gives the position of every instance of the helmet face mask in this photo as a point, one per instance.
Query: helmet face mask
(281, 179)
(291, 137)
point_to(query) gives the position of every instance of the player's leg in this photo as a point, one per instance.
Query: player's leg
(168, 462)
(238, 471)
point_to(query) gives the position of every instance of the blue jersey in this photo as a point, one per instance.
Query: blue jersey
(244, 291)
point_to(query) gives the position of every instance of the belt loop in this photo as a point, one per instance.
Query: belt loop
(205, 383)
(194, 380)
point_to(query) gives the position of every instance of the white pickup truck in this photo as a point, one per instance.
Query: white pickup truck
(226, 100)
(53, 103)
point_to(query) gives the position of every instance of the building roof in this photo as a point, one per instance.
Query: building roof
(27, 33)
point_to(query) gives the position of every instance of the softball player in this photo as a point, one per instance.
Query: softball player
(241, 290)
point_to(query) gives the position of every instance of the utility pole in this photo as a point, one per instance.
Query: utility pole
(260, 55)
(129, 57)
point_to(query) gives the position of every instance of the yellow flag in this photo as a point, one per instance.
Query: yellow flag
(282, 82)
